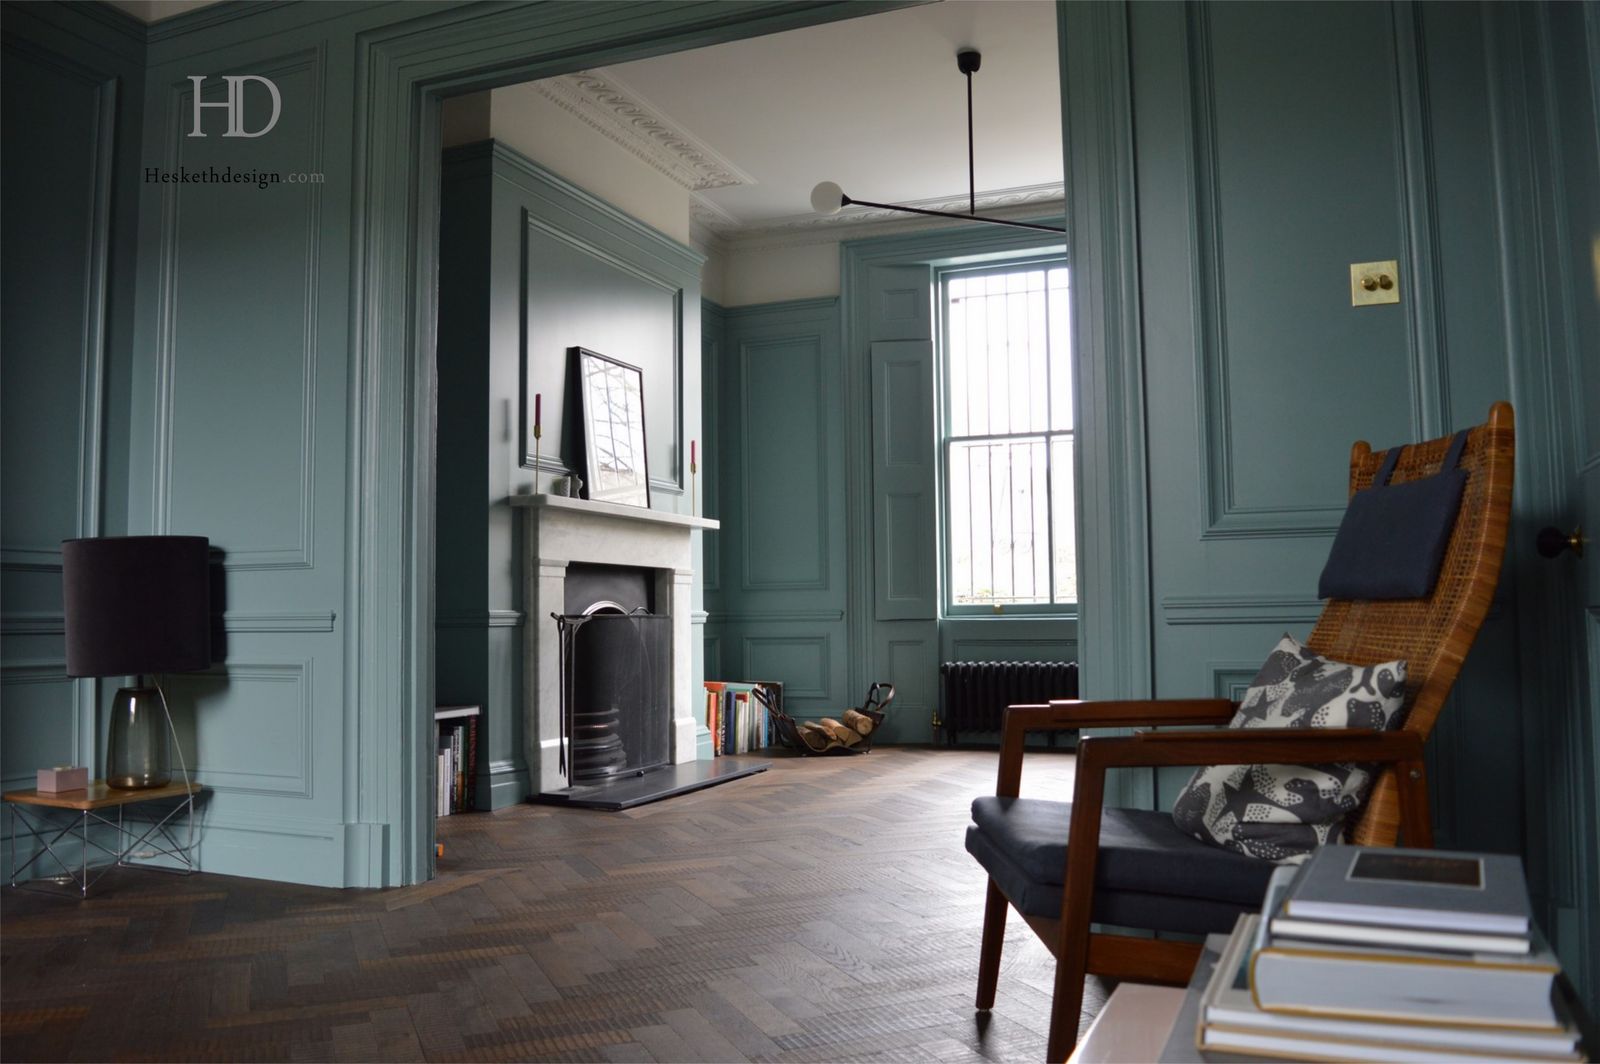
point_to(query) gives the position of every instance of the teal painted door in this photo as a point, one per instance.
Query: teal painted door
(1575, 922)
(1549, 93)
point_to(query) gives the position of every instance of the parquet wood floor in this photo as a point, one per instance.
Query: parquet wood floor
(822, 911)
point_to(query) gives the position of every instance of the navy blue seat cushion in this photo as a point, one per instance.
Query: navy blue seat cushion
(1149, 874)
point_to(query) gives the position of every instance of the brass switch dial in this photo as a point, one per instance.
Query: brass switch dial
(1372, 283)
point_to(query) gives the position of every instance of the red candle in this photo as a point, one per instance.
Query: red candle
(538, 403)
(691, 452)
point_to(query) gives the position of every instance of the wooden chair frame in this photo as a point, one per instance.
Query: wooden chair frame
(1433, 635)
(1080, 952)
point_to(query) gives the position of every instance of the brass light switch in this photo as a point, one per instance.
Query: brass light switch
(1372, 283)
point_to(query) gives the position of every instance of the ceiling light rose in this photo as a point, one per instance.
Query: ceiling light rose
(828, 198)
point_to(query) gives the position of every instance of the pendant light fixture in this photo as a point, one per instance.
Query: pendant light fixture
(829, 198)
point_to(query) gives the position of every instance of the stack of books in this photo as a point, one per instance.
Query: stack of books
(1394, 955)
(739, 715)
(457, 755)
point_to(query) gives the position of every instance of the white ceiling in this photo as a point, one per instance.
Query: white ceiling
(873, 103)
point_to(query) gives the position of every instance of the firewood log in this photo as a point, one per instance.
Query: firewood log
(847, 736)
(815, 737)
(859, 721)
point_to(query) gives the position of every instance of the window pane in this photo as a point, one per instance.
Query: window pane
(1063, 512)
(1060, 351)
(1007, 349)
(959, 401)
(999, 522)
(999, 351)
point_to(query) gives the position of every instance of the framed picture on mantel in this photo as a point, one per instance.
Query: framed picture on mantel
(612, 393)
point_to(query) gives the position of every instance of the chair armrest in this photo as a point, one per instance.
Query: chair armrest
(1070, 714)
(1211, 746)
(1231, 746)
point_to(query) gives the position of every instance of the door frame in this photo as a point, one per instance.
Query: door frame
(403, 73)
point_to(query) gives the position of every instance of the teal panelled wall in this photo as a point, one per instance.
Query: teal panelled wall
(773, 474)
(531, 265)
(278, 390)
(1260, 373)
(1408, 131)
(239, 403)
(73, 79)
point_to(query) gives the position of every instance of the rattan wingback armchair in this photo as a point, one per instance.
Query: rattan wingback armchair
(1064, 865)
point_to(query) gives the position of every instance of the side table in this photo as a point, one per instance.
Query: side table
(41, 820)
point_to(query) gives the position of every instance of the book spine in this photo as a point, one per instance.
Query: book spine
(472, 763)
(442, 807)
(455, 769)
(711, 722)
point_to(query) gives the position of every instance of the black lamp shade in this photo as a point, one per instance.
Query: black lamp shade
(137, 604)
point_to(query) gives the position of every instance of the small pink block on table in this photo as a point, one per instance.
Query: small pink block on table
(63, 778)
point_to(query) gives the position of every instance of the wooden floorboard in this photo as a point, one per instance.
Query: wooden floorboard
(822, 911)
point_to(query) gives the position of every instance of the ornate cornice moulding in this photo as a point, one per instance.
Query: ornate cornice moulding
(610, 106)
(619, 112)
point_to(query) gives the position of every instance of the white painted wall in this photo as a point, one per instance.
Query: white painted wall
(768, 275)
(713, 277)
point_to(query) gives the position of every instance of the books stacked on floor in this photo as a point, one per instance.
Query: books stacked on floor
(739, 715)
(1393, 955)
(458, 759)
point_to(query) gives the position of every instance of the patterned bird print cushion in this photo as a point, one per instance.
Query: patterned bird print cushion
(1283, 812)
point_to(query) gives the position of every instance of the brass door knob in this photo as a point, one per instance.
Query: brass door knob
(1551, 541)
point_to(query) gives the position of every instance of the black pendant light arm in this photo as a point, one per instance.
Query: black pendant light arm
(822, 197)
(847, 202)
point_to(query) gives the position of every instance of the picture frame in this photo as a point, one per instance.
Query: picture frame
(611, 393)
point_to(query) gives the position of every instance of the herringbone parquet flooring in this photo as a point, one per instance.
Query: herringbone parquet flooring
(822, 911)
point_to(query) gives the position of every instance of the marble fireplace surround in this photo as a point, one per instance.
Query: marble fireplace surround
(558, 531)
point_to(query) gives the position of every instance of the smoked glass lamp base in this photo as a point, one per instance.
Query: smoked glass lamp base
(136, 754)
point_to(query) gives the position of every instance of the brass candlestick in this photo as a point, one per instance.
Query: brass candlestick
(538, 431)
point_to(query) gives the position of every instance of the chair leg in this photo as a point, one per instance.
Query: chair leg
(994, 937)
(1066, 1006)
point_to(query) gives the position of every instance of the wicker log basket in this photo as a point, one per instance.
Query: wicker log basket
(850, 733)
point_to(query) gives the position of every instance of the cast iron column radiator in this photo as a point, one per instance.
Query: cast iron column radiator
(973, 695)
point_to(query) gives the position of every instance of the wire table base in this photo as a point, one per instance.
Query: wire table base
(138, 840)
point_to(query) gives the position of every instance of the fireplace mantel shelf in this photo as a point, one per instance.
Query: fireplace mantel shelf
(613, 510)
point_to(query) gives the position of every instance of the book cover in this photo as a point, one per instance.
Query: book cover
(1420, 889)
(1334, 931)
(1407, 986)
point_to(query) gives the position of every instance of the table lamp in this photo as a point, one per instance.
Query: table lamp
(137, 605)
